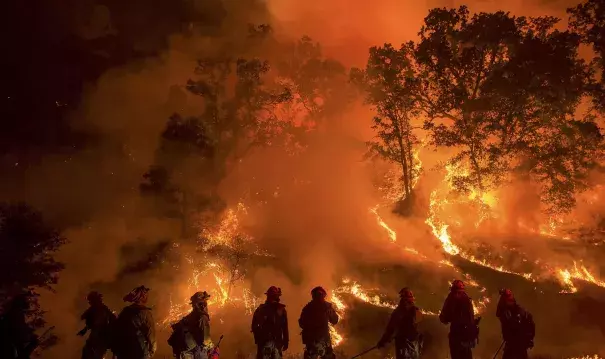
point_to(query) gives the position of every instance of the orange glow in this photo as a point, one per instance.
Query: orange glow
(214, 276)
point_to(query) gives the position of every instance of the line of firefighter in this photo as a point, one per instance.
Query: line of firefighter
(131, 335)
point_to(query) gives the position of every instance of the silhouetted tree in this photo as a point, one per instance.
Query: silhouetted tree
(319, 84)
(27, 245)
(588, 19)
(182, 141)
(240, 104)
(390, 88)
(241, 116)
(504, 90)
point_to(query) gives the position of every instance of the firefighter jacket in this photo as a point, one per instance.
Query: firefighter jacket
(458, 311)
(403, 324)
(99, 320)
(190, 332)
(315, 319)
(518, 327)
(270, 324)
(135, 333)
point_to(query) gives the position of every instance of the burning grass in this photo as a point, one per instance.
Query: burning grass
(219, 263)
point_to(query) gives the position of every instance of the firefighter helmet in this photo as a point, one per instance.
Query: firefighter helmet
(199, 297)
(406, 293)
(318, 292)
(273, 291)
(457, 285)
(94, 296)
(507, 296)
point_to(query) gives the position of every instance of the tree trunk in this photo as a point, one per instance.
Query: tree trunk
(403, 158)
(234, 267)
(469, 131)
(477, 170)
(410, 155)
(406, 177)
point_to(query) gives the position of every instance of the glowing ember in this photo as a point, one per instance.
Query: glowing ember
(227, 230)
(391, 188)
(550, 229)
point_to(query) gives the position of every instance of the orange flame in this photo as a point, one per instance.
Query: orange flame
(223, 290)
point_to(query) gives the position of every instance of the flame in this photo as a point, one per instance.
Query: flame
(335, 337)
(226, 231)
(551, 229)
(480, 305)
(487, 201)
(440, 229)
(211, 274)
(355, 289)
(566, 277)
(392, 234)
(340, 308)
(417, 163)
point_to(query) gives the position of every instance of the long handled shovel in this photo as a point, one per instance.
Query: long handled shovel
(501, 345)
(365, 352)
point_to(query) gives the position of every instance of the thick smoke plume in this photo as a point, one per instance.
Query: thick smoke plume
(315, 216)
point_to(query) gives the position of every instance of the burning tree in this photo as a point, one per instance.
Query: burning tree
(235, 256)
(390, 88)
(504, 90)
(228, 243)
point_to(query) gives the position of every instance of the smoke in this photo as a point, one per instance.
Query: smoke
(315, 214)
(348, 28)
(95, 192)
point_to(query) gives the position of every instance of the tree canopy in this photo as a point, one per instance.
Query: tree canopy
(27, 246)
(390, 88)
(503, 91)
(588, 20)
